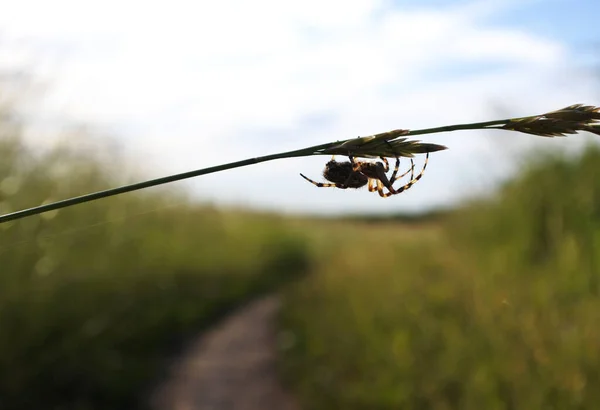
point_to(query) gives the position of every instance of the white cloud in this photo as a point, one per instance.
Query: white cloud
(197, 83)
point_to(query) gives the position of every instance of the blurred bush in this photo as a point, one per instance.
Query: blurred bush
(494, 307)
(94, 297)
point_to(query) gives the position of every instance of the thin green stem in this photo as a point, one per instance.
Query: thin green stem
(460, 127)
(314, 150)
(154, 182)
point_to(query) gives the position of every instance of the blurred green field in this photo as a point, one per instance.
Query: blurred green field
(493, 306)
(95, 298)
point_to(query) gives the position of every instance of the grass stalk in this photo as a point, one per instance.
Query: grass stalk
(568, 120)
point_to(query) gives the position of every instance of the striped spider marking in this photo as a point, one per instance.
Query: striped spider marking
(357, 174)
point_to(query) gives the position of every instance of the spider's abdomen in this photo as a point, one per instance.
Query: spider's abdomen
(338, 173)
(370, 169)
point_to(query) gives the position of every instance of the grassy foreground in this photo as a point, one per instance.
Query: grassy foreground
(94, 298)
(492, 306)
(496, 306)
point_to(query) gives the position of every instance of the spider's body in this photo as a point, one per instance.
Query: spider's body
(343, 176)
(356, 174)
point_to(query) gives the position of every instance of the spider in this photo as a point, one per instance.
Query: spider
(356, 174)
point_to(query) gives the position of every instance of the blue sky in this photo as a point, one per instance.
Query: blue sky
(183, 85)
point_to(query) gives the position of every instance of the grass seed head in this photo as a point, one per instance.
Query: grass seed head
(577, 113)
(594, 129)
(385, 144)
(559, 123)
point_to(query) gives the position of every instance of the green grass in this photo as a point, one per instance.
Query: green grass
(495, 306)
(94, 298)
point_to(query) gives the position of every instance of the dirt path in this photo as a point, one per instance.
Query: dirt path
(230, 367)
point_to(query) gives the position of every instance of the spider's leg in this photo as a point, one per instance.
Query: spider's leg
(355, 170)
(411, 182)
(324, 185)
(355, 165)
(372, 185)
(393, 177)
(411, 170)
(386, 166)
(381, 176)
(380, 190)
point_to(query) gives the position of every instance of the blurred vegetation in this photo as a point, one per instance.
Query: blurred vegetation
(492, 306)
(95, 298)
